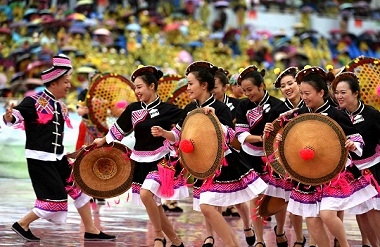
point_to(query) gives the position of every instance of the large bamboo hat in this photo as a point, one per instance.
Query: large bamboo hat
(201, 146)
(271, 147)
(270, 205)
(108, 96)
(312, 149)
(167, 85)
(367, 69)
(180, 97)
(104, 172)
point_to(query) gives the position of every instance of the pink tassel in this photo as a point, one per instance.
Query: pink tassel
(319, 189)
(254, 214)
(270, 170)
(117, 201)
(224, 162)
(217, 173)
(127, 156)
(271, 157)
(264, 221)
(351, 163)
(69, 188)
(70, 179)
(93, 205)
(108, 148)
(71, 163)
(166, 172)
(225, 147)
(68, 123)
(207, 183)
(44, 118)
(344, 185)
(254, 217)
(371, 179)
(340, 183)
(264, 159)
(298, 186)
(128, 197)
(276, 144)
(259, 201)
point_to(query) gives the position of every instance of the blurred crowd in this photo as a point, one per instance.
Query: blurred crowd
(117, 36)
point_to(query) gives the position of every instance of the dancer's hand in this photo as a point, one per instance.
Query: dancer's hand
(350, 145)
(8, 117)
(268, 127)
(209, 109)
(99, 141)
(279, 137)
(157, 131)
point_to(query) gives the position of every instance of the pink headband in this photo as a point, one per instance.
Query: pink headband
(61, 66)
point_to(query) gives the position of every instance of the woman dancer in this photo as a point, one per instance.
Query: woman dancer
(150, 150)
(251, 116)
(367, 120)
(320, 206)
(237, 175)
(219, 92)
(281, 187)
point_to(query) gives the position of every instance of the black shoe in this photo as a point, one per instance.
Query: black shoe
(227, 212)
(100, 201)
(176, 210)
(303, 243)
(252, 239)
(166, 208)
(172, 207)
(209, 244)
(163, 240)
(181, 245)
(98, 237)
(282, 244)
(234, 212)
(260, 243)
(27, 235)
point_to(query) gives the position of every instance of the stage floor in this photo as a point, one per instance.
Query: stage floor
(129, 223)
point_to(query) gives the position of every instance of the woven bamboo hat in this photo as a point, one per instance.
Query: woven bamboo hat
(271, 147)
(105, 92)
(180, 97)
(367, 69)
(270, 206)
(201, 145)
(167, 85)
(104, 172)
(312, 150)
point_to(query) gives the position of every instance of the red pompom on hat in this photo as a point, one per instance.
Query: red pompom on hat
(186, 146)
(307, 153)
